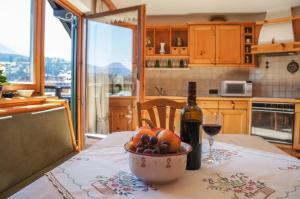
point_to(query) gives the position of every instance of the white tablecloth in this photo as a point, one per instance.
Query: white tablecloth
(248, 167)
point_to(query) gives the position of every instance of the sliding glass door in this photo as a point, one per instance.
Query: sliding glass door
(113, 63)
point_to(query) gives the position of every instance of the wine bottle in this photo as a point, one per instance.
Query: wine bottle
(191, 119)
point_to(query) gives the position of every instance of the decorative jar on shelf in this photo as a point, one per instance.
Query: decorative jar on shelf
(179, 41)
(157, 64)
(162, 48)
(169, 63)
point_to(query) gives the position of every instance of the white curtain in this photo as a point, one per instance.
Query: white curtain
(98, 103)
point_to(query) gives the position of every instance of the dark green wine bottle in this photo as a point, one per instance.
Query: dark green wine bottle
(191, 120)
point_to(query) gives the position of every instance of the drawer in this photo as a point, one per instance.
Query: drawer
(231, 104)
(208, 104)
(149, 50)
(297, 108)
(120, 102)
(183, 51)
(174, 51)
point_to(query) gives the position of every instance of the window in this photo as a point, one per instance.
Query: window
(110, 53)
(58, 52)
(16, 40)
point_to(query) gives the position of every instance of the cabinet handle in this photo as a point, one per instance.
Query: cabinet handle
(233, 104)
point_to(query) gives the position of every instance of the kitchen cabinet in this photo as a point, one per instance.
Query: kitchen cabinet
(215, 44)
(219, 44)
(122, 114)
(234, 121)
(296, 144)
(228, 44)
(234, 114)
(120, 119)
(202, 44)
(224, 44)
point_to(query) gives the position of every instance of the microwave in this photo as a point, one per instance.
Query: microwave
(236, 88)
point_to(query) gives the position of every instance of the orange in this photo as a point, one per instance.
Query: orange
(170, 137)
(131, 146)
(141, 131)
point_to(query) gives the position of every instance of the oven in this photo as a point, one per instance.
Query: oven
(273, 121)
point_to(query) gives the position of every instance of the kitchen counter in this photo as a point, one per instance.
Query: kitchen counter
(282, 100)
(253, 99)
(199, 98)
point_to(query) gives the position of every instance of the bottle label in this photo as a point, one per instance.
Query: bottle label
(192, 115)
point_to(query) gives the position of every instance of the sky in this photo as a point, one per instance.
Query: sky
(15, 30)
(15, 17)
(57, 40)
(107, 44)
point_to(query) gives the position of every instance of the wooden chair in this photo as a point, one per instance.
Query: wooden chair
(161, 105)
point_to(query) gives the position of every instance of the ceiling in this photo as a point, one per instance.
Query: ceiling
(181, 7)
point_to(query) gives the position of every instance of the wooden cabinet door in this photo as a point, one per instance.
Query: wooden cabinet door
(228, 44)
(296, 144)
(209, 111)
(234, 121)
(120, 120)
(202, 44)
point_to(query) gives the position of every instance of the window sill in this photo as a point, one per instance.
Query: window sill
(22, 101)
(21, 86)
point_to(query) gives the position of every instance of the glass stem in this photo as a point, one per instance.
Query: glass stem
(210, 140)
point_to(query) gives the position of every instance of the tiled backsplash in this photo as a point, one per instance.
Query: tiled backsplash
(275, 81)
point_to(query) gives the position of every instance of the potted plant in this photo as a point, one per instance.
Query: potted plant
(2, 79)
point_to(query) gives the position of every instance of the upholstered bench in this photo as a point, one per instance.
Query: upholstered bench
(31, 144)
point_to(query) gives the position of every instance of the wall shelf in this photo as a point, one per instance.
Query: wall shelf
(168, 69)
(167, 57)
(174, 37)
(247, 39)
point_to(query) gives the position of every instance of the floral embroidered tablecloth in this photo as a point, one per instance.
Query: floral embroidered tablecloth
(102, 172)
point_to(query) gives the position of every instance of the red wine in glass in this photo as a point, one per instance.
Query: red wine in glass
(211, 129)
(211, 126)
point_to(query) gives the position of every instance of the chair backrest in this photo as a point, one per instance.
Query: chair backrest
(161, 105)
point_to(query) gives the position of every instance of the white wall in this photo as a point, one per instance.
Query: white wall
(87, 6)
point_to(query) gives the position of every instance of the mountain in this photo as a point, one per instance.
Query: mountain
(6, 57)
(115, 68)
(5, 49)
(118, 69)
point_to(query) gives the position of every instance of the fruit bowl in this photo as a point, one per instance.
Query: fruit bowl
(158, 168)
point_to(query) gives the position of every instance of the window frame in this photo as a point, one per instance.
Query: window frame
(37, 50)
(38, 46)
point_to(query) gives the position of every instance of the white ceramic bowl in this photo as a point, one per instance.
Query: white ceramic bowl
(158, 168)
(25, 93)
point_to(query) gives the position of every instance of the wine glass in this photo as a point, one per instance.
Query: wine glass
(211, 126)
